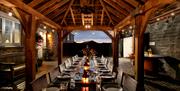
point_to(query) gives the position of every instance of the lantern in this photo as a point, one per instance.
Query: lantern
(85, 78)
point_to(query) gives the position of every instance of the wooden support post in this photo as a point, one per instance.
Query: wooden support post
(60, 46)
(141, 21)
(30, 50)
(115, 41)
(29, 25)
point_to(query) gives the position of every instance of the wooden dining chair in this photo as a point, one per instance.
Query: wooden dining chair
(54, 81)
(128, 83)
(42, 83)
(116, 84)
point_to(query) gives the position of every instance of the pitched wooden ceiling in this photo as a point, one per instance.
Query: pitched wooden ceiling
(82, 12)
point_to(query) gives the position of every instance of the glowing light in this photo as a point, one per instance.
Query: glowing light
(85, 88)
(53, 30)
(49, 35)
(85, 80)
(10, 13)
(172, 14)
(44, 27)
(87, 26)
(158, 19)
(130, 27)
(86, 67)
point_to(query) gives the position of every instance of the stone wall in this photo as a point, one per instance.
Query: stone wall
(166, 35)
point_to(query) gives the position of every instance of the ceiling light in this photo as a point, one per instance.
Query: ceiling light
(10, 13)
(87, 26)
(44, 27)
(158, 19)
(52, 30)
(172, 14)
(130, 27)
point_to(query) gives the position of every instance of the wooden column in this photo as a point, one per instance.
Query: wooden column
(115, 41)
(60, 46)
(141, 21)
(29, 25)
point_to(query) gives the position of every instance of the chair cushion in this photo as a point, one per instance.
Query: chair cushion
(114, 89)
(52, 89)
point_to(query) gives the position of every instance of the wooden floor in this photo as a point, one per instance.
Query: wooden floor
(152, 83)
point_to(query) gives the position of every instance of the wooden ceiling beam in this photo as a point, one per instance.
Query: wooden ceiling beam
(34, 3)
(58, 18)
(46, 5)
(117, 14)
(124, 5)
(61, 3)
(115, 18)
(146, 7)
(108, 34)
(115, 6)
(71, 28)
(102, 16)
(30, 10)
(72, 15)
(102, 3)
(67, 11)
(57, 12)
(132, 2)
(141, 2)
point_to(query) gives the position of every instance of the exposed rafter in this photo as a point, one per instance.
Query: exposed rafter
(58, 18)
(141, 1)
(61, 3)
(132, 2)
(115, 6)
(102, 17)
(30, 10)
(72, 15)
(115, 18)
(46, 5)
(147, 6)
(57, 12)
(67, 11)
(117, 14)
(35, 2)
(102, 3)
(108, 34)
(124, 5)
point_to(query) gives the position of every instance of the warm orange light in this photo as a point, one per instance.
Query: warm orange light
(85, 88)
(49, 35)
(85, 80)
(86, 68)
